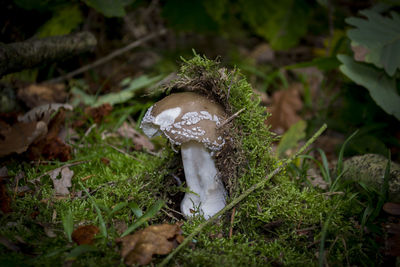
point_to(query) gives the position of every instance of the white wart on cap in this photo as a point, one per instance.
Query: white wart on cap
(184, 117)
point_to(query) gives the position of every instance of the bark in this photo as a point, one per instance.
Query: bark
(31, 53)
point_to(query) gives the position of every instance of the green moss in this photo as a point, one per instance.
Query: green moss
(278, 224)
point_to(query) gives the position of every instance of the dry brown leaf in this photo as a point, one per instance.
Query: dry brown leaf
(84, 234)
(61, 185)
(285, 105)
(43, 112)
(51, 147)
(18, 137)
(392, 208)
(38, 94)
(156, 239)
(140, 141)
(97, 114)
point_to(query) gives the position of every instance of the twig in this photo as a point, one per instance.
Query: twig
(64, 166)
(125, 153)
(90, 129)
(230, 118)
(109, 56)
(232, 219)
(235, 201)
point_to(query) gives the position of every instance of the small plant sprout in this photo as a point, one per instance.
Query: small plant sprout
(190, 120)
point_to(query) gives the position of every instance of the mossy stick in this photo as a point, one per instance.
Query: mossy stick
(235, 201)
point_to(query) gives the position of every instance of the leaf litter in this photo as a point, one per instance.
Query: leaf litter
(61, 185)
(160, 239)
(32, 128)
(85, 234)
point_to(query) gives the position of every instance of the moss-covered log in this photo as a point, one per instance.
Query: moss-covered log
(31, 53)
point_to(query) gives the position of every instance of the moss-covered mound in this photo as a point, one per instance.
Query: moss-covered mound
(282, 223)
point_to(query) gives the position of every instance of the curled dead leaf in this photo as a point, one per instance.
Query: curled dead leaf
(84, 234)
(52, 147)
(156, 239)
(39, 94)
(18, 137)
(43, 112)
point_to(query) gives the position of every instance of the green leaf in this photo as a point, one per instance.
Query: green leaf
(379, 34)
(114, 98)
(118, 207)
(150, 213)
(79, 250)
(103, 228)
(339, 166)
(109, 8)
(63, 22)
(381, 87)
(68, 224)
(282, 23)
(290, 139)
(136, 209)
(322, 63)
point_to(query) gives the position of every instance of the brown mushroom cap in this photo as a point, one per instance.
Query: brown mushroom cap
(184, 117)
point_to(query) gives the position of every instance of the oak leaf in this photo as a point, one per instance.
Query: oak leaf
(284, 108)
(156, 239)
(84, 234)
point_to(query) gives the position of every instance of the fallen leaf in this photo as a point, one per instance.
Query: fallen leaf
(140, 141)
(392, 208)
(120, 226)
(61, 185)
(392, 240)
(105, 161)
(43, 112)
(284, 108)
(51, 147)
(96, 114)
(156, 239)
(263, 53)
(84, 234)
(18, 137)
(39, 94)
(316, 179)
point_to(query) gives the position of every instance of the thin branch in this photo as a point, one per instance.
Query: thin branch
(125, 153)
(31, 53)
(110, 56)
(37, 179)
(235, 201)
(232, 220)
(230, 118)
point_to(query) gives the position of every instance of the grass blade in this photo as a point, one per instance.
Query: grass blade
(103, 228)
(339, 167)
(79, 250)
(150, 213)
(68, 223)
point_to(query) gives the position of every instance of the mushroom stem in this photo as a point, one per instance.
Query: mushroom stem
(207, 192)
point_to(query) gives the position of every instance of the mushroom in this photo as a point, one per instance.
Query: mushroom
(190, 120)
